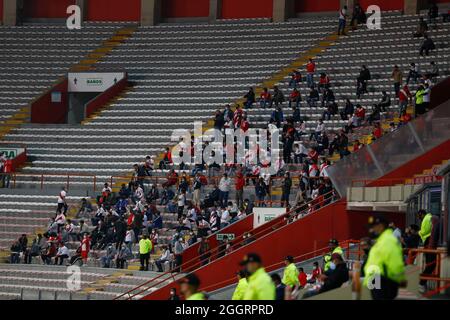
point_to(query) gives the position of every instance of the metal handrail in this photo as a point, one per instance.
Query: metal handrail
(240, 243)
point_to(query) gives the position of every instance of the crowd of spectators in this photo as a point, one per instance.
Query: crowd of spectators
(131, 215)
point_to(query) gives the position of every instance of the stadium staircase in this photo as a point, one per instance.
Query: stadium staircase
(36, 67)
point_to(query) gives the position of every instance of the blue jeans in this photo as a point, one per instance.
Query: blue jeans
(310, 79)
(265, 103)
(223, 198)
(342, 24)
(292, 83)
(312, 101)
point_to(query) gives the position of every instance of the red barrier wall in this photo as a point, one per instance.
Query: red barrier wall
(114, 10)
(237, 9)
(418, 165)
(103, 98)
(316, 6)
(440, 93)
(1, 10)
(190, 255)
(43, 110)
(46, 8)
(185, 8)
(301, 237)
(384, 5)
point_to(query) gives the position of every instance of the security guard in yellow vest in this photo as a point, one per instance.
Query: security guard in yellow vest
(260, 285)
(426, 228)
(333, 244)
(189, 287)
(290, 275)
(384, 269)
(242, 285)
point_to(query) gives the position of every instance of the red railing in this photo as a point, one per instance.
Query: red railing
(43, 178)
(345, 245)
(239, 242)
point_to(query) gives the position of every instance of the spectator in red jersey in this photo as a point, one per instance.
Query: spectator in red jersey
(310, 71)
(265, 99)
(404, 96)
(172, 179)
(377, 132)
(237, 117)
(316, 273)
(239, 186)
(296, 78)
(85, 248)
(405, 118)
(324, 82)
(7, 172)
(302, 278)
(295, 97)
(313, 155)
(357, 146)
(360, 114)
(244, 123)
(167, 159)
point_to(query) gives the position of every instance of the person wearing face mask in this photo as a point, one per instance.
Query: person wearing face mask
(334, 278)
(333, 244)
(384, 269)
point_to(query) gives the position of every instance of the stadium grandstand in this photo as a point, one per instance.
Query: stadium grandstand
(224, 149)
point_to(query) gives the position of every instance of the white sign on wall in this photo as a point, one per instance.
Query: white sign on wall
(11, 153)
(93, 81)
(263, 215)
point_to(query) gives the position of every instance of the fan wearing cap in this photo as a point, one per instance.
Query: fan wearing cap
(290, 275)
(385, 261)
(189, 287)
(260, 285)
(242, 285)
(333, 244)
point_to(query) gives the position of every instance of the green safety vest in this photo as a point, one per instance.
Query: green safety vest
(260, 286)
(239, 292)
(197, 296)
(425, 227)
(419, 96)
(385, 259)
(290, 275)
(327, 257)
(145, 246)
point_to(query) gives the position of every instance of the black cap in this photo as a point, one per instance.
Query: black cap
(191, 279)
(251, 257)
(289, 258)
(333, 241)
(378, 219)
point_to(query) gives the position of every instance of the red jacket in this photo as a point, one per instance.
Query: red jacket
(378, 133)
(294, 95)
(360, 113)
(240, 182)
(311, 67)
(324, 80)
(244, 125)
(8, 168)
(302, 279)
